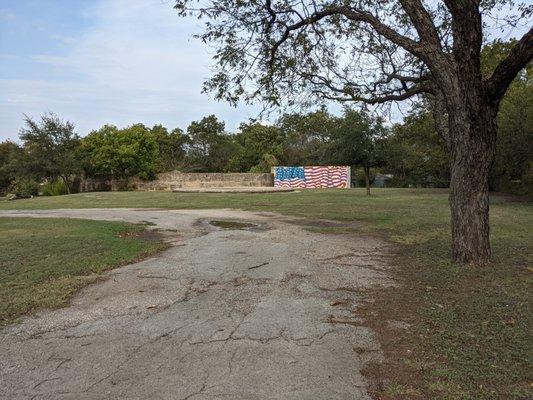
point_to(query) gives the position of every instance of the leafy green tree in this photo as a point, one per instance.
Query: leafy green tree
(97, 150)
(512, 169)
(121, 153)
(171, 147)
(513, 162)
(257, 148)
(209, 147)
(11, 156)
(358, 140)
(415, 154)
(306, 137)
(51, 146)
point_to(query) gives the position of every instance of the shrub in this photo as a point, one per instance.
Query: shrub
(24, 187)
(55, 188)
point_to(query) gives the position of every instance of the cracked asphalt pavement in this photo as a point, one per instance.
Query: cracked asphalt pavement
(266, 312)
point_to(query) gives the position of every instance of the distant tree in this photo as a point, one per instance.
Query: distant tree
(358, 140)
(209, 147)
(97, 151)
(415, 154)
(51, 145)
(257, 148)
(171, 147)
(306, 137)
(11, 156)
(121, 153)
(221, 152)
(512, 169)
(202, 134)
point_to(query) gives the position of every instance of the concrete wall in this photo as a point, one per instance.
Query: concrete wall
(177, 180)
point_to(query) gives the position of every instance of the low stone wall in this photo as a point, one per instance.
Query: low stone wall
(178, 180)
(105, 185)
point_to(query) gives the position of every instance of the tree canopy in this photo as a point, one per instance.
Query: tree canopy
(122, 153)
(51, 148)
(364, 51)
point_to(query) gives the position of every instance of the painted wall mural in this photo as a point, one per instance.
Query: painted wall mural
(312, 177)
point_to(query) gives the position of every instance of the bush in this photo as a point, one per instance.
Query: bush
(24, 187)
(55, 188)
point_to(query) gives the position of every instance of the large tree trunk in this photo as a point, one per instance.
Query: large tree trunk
(472, 152)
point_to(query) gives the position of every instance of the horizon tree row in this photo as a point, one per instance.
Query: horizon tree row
(51, 152)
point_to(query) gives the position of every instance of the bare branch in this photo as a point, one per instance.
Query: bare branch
(410, 45)
(348, 97)
(381, 28)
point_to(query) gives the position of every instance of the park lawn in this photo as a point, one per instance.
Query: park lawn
(44, 261)
(469, 334)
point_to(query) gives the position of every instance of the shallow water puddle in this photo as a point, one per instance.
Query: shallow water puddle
(232, 224)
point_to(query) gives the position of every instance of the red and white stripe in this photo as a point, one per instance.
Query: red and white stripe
(290, 183)
(326, 177)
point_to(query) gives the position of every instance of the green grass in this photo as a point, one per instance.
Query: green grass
(390, 209)
(44, 261)
(470, 327)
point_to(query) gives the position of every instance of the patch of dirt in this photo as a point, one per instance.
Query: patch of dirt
(151, 235)
(147, 223)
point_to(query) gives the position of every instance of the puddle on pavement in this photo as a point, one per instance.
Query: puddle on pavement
(232, 224)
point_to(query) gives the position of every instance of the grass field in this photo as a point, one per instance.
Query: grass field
(44, 261)
(469, 335)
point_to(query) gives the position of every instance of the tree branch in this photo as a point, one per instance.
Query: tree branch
(422, 22)
(345, 97)
(315, 17)
(410, 45)
(521, 54)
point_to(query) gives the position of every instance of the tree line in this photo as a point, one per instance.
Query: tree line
(412, 152)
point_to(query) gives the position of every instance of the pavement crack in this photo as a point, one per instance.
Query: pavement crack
(61, 361)
(190, 396)
(259, 265)
(119, 366)
(158, 277)
(44, 381)
(201, 390)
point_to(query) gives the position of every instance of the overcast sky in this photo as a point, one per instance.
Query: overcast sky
(105, 61)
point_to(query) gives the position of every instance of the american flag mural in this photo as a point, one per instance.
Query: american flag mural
(312, 177)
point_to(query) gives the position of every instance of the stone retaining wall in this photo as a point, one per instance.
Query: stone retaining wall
(177, 180)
